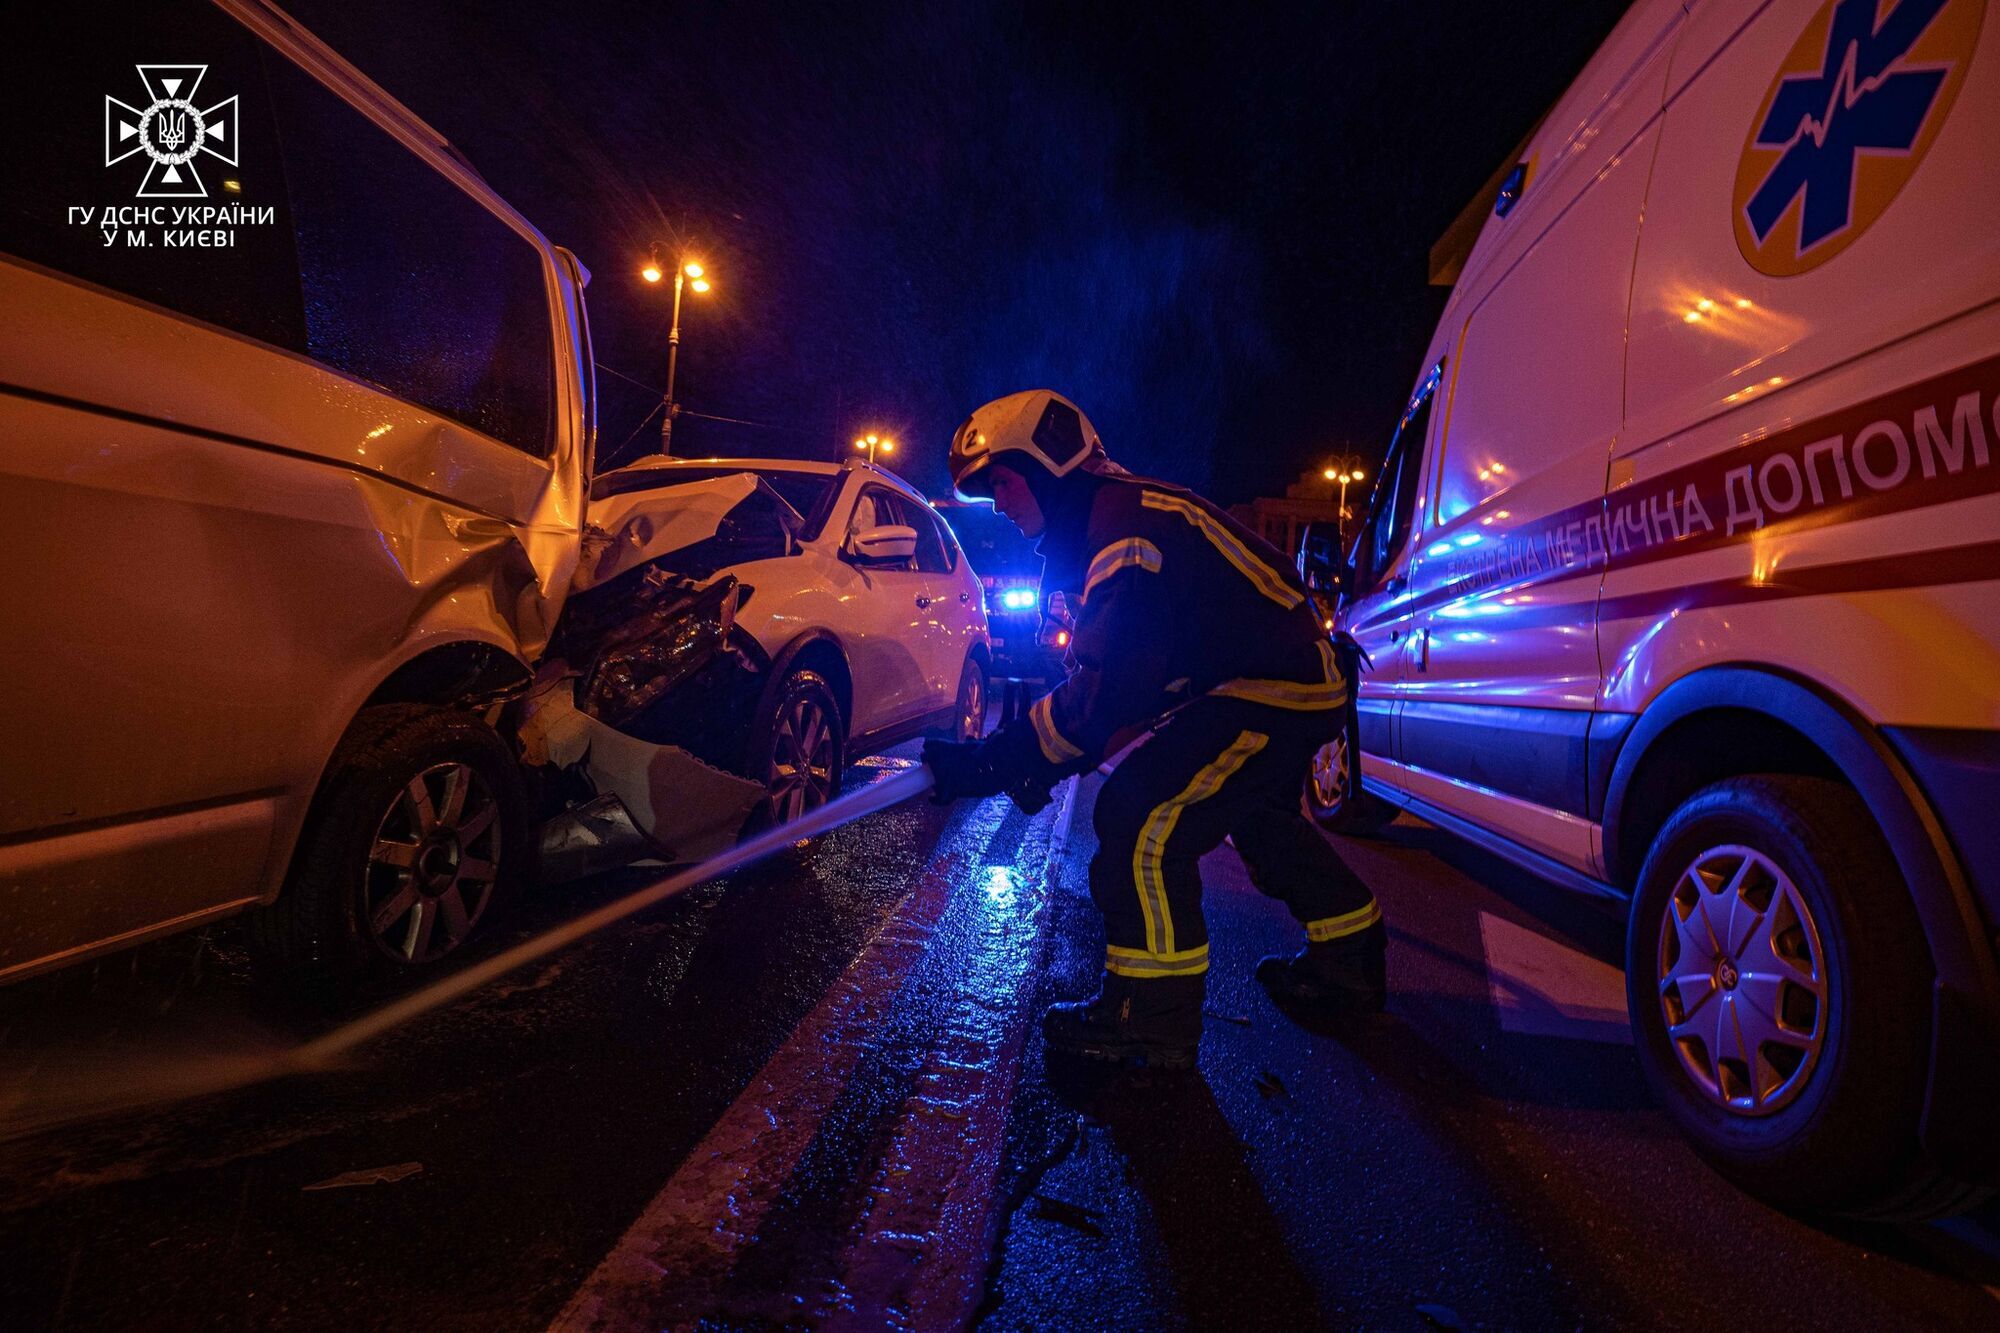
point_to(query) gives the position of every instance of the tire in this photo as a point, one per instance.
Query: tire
(971, 723)
(1329, 798)
(782, 734)
(1822, 1115)
(384, 885)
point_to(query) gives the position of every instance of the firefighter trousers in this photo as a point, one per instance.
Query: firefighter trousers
(1221, 767)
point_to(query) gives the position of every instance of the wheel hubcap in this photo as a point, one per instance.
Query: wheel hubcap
(1743, 981)
(433, 863)
(1329, 773)
(973, 720)
(802, 761)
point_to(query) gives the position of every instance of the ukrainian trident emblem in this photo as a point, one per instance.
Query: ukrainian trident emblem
(172, 130)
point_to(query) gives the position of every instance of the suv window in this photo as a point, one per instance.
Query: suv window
(78, 69)
(1393, 512)
(879, 506)
(410, 282)
(931, 556)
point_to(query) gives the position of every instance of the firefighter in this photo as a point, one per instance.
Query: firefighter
(1182, 613)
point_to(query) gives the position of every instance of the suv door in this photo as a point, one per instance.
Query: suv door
(887, 626)
(948, 613)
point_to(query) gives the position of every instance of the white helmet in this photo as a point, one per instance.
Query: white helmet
(1040, 423)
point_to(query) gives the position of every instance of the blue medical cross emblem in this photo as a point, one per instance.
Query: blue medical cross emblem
(1821, 121)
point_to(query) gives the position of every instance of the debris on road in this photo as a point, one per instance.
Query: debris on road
(1072, 1215)
(1271, 1085)
(374, 1175)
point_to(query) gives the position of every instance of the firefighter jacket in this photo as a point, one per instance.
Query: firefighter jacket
(1173, 600)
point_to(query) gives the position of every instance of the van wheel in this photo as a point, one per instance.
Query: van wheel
(971, 715)
(1331, 800)
(419, 828)
(798, 750)
(1779, 989)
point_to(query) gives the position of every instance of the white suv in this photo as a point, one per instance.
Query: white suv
(738, 631)
(1682, 575)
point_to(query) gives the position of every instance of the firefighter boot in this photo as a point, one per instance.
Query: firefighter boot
(1347, 974)
(1154, 1022)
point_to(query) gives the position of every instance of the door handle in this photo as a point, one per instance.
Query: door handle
(1424, 650)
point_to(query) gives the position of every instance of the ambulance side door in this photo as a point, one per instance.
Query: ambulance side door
(1502, 680)
(1377, 611)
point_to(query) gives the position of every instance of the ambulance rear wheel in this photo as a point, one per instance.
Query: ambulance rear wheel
(1331, 798)
(1779, 989)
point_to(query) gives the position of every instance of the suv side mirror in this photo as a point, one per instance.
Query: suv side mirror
(889, 544)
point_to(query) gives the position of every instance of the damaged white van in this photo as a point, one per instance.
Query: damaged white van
(1682, 576)
(294, 431)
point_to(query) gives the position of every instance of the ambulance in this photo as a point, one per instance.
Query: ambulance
(1681, 578)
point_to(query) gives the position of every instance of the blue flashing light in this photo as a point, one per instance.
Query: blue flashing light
(1018, 599)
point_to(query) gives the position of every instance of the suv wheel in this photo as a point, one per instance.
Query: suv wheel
(971, 723)
(1330, 796)
(798, 749)
(1779, 989)
(419, 828)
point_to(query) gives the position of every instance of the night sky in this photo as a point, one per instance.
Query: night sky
(1210, 228)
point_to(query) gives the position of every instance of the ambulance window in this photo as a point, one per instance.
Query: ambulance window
(1394, 511)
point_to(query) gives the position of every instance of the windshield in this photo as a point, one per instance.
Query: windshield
(811, 493)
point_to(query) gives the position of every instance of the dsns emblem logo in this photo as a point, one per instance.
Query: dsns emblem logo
(1846, 123)
(172, 130)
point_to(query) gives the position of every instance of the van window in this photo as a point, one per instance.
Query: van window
(1393, 512)
(77, 65)
(410, 282)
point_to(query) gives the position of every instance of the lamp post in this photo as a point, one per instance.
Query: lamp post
(869, 443)
(1344, 469)
(691, 273)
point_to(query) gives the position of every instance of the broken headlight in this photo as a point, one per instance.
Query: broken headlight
(655, 634)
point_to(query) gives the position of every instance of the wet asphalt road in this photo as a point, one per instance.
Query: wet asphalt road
(1483, 1156)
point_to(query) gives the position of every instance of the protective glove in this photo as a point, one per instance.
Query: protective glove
(961, 770)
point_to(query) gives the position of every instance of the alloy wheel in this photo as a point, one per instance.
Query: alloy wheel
(972, 716)
(432, 867)
(1329, 773)
(1743, 981)
(803, 753)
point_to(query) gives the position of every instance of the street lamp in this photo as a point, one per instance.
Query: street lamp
(869, 443)
(693, 275)
(1343, 470)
